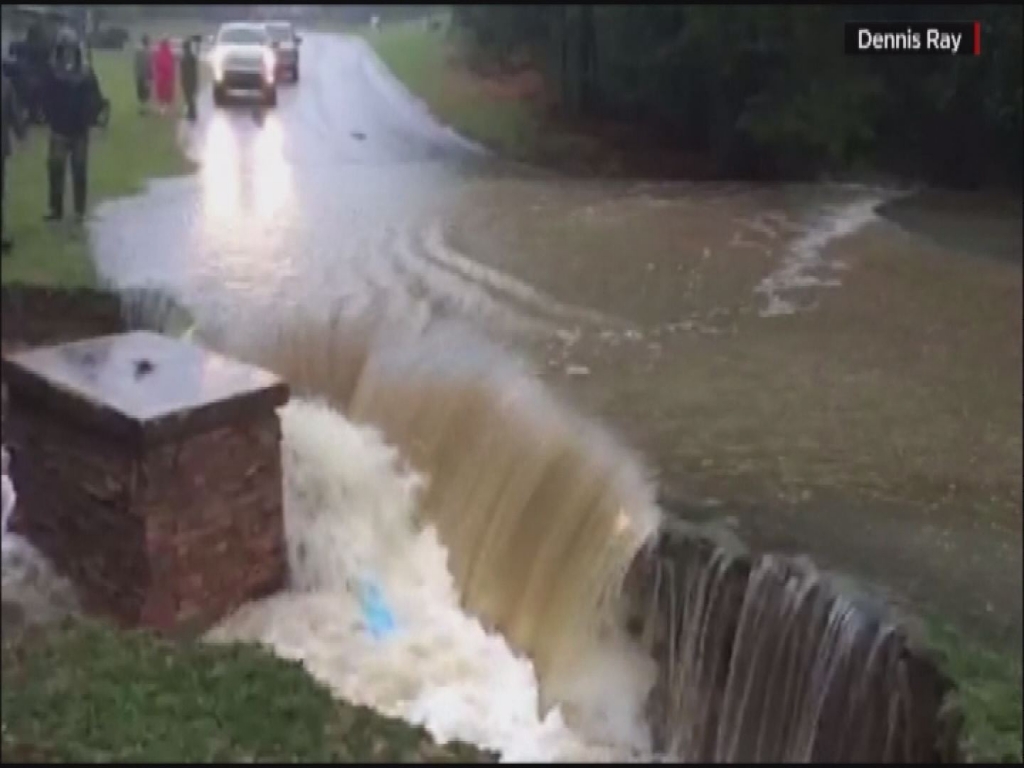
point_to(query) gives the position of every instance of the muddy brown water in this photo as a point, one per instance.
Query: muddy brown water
(830, 369)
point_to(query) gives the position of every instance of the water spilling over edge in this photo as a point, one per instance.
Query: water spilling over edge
(759, 661)
(542, 512)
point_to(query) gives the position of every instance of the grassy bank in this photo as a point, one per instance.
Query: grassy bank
(510, 113)
(87, 693)
(989, 690)
(425, 61)
(131, 150)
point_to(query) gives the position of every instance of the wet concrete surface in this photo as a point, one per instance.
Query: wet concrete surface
(837, 383)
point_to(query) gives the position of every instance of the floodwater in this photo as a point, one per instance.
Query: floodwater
(831, 369)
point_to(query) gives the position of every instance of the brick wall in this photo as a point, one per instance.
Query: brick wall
(176, 534)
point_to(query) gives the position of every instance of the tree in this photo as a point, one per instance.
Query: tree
(769, 90)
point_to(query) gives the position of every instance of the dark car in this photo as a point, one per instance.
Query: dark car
(109, 38)
(286, 43)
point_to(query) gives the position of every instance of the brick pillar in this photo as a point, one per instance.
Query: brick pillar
(148, 470)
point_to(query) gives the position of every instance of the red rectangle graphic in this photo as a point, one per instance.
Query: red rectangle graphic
(977, 38)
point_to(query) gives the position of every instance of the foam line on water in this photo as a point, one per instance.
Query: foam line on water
(804, 263)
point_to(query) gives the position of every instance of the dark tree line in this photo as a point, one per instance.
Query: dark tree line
(347, 13)
(768, 90)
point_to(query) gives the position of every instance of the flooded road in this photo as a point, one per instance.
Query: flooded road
(824, 378)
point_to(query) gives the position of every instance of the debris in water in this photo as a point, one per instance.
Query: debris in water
(358, 135)
(142, 367)
(379, 619)
(577, 370)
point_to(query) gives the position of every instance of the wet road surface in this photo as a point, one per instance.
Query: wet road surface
(784, 356)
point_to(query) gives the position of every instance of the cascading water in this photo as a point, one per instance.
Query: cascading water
(544, 517)
(351, 518)
(513, 553)
(764, 661)
(540, 511)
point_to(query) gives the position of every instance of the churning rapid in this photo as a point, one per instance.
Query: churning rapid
(351, 522)
(540, 514)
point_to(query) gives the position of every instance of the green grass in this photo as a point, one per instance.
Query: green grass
(86, 692)
(122, 157)
(425, 61)
(989, 688)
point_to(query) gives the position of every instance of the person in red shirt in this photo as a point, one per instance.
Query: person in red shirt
(163, 75)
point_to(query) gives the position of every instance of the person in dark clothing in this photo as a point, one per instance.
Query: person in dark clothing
(73, 102)
(11, 119)
(143, 67)
(189, 77)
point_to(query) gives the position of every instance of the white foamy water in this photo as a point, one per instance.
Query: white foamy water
(804, 265)
(350, 516)
(30, 582)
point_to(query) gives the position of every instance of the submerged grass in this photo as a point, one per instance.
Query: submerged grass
(132, 149)
(85, 692)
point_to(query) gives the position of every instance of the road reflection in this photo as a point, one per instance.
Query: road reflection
(221, 171)
(271, 172)
(244, 170)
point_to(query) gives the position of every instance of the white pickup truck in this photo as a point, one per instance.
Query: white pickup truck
(243, 60)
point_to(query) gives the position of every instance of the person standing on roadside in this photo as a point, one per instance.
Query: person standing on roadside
(143, 74)
(163, 75)
(72, 102)
(11, 117)
(189, 77)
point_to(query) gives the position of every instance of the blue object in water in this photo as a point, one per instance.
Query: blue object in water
(379, 619)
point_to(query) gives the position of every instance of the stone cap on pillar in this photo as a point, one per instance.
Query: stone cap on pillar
(142, 386)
